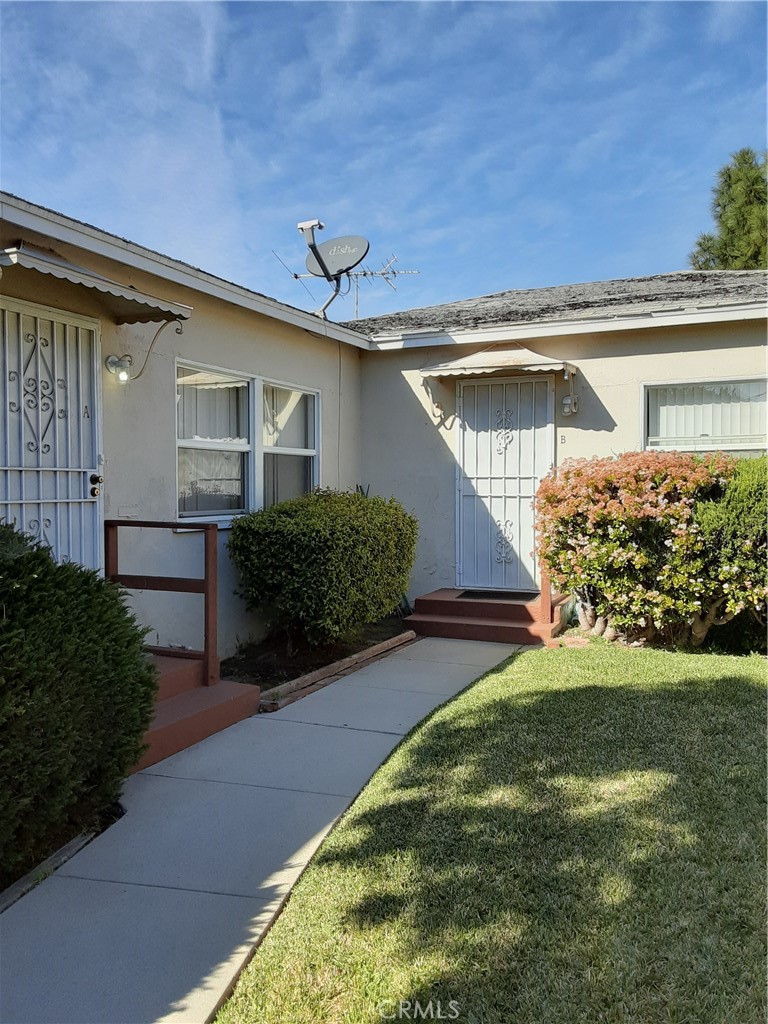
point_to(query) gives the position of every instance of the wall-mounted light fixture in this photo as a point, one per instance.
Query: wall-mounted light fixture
(120, 366)
(570, 401)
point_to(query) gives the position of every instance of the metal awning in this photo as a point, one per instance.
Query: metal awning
(204, 379)
(497, 357)
(127, 305)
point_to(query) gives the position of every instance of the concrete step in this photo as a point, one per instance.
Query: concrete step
(191, 716)
(176, 675)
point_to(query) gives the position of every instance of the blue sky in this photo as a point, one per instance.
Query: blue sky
(489, 145)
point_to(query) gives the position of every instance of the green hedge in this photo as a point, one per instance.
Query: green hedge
(735, 528)
(76, 696)
(322, 565)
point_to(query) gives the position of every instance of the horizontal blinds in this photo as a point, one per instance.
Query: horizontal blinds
(731, 414)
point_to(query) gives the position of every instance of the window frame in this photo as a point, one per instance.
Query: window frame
(255, 448)
(688, 382)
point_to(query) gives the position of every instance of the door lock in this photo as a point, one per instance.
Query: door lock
(96, 479)
(95, 492)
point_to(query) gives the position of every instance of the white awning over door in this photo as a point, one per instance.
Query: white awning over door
(497, 357)
(127, 305)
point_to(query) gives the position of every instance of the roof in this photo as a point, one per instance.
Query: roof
(569, 303)
(56, 226)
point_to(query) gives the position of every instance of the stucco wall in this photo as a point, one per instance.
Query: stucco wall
(139, 426)
(381, 427)
(409, 447)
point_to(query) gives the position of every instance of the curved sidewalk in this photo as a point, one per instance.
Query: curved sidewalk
(153, 920)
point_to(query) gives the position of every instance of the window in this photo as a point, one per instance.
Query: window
(722, 416)
(231, 457)
(289, 443)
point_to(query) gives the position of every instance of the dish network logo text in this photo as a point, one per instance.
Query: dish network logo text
(343, 250)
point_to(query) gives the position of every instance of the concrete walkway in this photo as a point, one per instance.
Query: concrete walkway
(153, 920)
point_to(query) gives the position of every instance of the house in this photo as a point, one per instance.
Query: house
(139, 390)
(489, 393)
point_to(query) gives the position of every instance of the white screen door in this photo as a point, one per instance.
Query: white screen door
(506, 447)
(49, 430)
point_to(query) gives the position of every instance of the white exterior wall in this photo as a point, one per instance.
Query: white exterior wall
(139, 427)
(409, 449)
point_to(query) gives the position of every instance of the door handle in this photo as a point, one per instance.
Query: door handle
(96, 479)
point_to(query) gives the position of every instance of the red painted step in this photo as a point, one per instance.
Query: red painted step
(191, 716)
(512, 620)
(176, 675)
(452, 602)
(464, 627)
(186, 711)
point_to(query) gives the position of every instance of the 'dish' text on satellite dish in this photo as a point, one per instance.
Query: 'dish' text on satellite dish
(339, 255)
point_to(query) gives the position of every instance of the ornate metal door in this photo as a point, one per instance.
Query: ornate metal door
(506, 447)
(50, 430)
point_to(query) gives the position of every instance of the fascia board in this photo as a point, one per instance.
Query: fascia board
(26, 216)
(559, 328)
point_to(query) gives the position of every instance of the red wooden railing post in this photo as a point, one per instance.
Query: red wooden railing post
(207, 586)
(110, 550)
(210, 651)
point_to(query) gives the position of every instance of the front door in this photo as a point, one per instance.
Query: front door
(506, 447)
(49, 430)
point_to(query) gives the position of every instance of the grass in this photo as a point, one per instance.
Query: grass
(579, 837)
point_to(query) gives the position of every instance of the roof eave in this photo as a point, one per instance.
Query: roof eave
(26, 215)
(678, 317)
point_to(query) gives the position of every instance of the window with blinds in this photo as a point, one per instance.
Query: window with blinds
(726, 416)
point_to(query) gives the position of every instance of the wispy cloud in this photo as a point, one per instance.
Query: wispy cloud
(727, 20)
(488, 145)
(639, 31)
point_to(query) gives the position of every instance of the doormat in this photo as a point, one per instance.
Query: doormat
(499, 595)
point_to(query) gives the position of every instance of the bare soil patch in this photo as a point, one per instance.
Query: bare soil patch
(269, 663)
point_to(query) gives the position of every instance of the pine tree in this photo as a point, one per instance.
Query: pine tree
(740, 209)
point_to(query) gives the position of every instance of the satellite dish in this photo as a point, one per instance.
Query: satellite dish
(339, 255)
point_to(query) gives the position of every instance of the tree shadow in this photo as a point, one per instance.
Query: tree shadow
(595, 858)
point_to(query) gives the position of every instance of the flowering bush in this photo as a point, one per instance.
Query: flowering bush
(621, 534)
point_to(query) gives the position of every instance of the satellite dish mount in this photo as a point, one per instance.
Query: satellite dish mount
(332, 259)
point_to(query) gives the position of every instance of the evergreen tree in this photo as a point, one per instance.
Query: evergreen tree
(739, 207)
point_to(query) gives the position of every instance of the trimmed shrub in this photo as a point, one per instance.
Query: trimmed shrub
(76, 696)
(324, 564)
(734, 531)
(620, 534)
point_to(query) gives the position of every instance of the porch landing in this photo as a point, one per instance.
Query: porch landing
(490, 615)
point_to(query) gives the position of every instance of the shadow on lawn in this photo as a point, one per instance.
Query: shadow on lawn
(599, 857)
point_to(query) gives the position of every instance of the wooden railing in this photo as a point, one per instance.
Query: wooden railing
(207, 585)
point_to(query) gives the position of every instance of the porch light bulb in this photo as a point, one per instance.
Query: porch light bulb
(121, 367)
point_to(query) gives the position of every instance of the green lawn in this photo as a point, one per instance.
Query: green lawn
(579, 837)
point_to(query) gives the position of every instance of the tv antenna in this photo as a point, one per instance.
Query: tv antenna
(387, 273)
(337, 258)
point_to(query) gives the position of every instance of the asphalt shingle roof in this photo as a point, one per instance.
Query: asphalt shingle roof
(633, 296)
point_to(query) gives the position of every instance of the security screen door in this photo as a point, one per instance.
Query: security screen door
(49, 430)
(506, 447)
